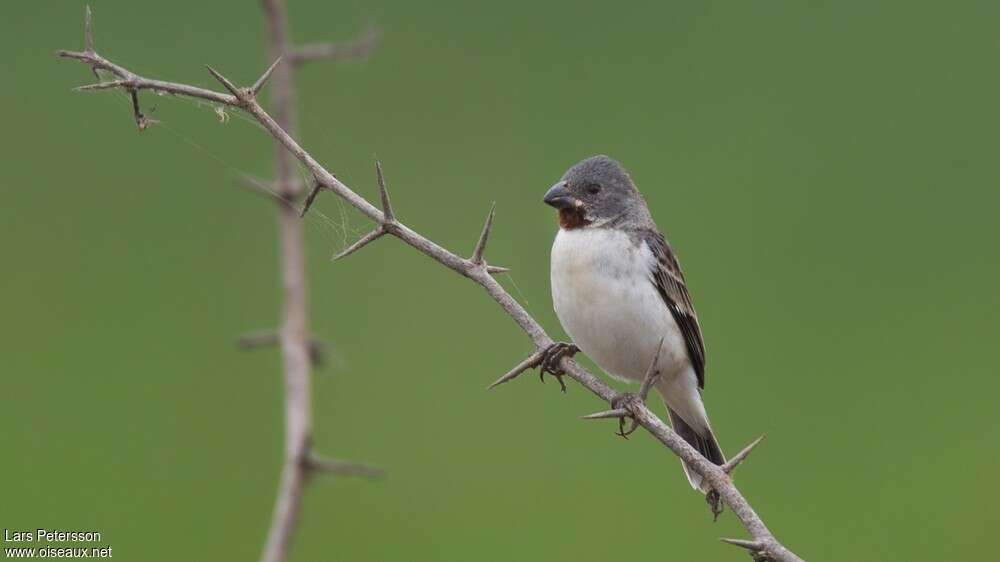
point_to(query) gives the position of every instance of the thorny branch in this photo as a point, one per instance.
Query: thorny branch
(762, 545)
(300, 460)
(299, 352)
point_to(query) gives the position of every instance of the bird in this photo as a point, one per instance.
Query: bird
(619, 293)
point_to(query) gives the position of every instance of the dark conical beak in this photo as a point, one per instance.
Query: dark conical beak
(558, 196)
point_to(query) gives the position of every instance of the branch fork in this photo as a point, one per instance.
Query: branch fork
(387, 225)
(245, 96)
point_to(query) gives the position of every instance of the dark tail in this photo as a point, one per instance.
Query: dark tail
(705, 444)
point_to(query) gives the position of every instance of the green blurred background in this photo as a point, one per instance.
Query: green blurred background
(827, 172)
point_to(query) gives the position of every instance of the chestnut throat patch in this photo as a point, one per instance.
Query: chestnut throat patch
(572, 217)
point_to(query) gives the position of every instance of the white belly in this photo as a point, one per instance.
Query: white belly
(605, 299)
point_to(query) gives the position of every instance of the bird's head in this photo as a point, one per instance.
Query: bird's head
(595, 192)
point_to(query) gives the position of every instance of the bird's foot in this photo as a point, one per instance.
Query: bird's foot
(551, 358)
(714, 501)
(622, 402)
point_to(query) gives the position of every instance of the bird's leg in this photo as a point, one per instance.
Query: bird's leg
(621, 402)
(551, 358)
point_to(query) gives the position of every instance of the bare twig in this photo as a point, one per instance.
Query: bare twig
(129, 80)
(767, 545)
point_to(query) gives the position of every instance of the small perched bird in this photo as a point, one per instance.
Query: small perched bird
(618, 291)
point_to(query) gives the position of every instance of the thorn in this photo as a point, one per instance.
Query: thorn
(652, 373)
(494, 269)
(530, 363)
(101, 86)
(752, 546)
(477, 254)
(361, 243)
(607, 414)
(316, 188)
(388, 216)
(739, 457)
(255, 89)
(78, 55)
(225, 82)
(88, 30)
(314, 462)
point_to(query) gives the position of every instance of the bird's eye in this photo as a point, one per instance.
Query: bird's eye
(593, 189)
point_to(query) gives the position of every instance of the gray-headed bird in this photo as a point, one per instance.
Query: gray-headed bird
(618, 291)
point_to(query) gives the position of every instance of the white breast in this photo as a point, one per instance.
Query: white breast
(604, 296)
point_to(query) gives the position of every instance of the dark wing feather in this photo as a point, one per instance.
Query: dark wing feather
(669, 280)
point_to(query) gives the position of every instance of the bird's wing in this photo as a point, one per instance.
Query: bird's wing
(669, 280)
